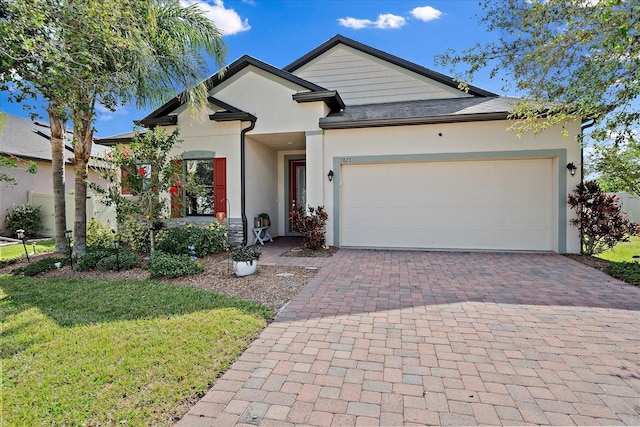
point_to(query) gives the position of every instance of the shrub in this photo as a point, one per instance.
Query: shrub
(209, 240)
(25, 217)
(40, 266)
(600, 221)
(124, 260)
(245, 254)
(168, 265)
(628, 272)
(90, 260)
(312, 226)
(99, 235)
(105, 259)
(136, 236)
(6, 262)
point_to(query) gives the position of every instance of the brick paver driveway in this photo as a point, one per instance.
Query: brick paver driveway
(401, 337)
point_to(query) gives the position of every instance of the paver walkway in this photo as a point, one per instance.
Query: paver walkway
(404, 337)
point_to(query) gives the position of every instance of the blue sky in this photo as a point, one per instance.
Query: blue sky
(279, 32)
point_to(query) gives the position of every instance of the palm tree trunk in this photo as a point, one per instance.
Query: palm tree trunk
(58, 175)
(83, 139)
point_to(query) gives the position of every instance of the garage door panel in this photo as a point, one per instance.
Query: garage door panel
(493, 205)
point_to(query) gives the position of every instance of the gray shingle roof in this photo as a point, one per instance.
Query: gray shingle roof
(24, 138)
(420, 112)
(21, 137)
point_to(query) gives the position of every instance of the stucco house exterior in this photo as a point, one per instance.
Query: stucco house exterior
(395, 152)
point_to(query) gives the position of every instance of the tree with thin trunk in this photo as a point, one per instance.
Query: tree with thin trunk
(28, 58)
(107, 51)
(570, 60)
(58, 136)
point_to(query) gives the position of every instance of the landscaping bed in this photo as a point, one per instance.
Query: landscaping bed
(272, 286)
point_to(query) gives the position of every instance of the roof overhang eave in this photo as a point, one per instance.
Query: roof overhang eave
(224, 116)
(330, 97)
(159, 121)
(332, 123)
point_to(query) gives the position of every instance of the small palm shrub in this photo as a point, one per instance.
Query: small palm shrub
(167, 265)
(25, 217)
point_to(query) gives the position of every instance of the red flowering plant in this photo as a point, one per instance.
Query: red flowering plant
(599, 219)
(141, 173)
(311, 226)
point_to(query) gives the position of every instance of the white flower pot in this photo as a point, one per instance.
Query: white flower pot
(244, 268)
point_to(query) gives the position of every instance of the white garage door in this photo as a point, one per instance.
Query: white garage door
(486, 205)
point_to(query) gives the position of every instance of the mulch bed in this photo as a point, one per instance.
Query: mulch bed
(591, 261)
(325, 252)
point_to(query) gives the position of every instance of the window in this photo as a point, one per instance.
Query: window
(205, 190)
(199, 177)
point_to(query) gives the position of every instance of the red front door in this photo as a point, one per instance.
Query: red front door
(297, 185)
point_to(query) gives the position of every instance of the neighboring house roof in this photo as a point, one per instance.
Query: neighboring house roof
(420, 112)
(312, 91)
(21, 137)
(121, 138)
(339, 39)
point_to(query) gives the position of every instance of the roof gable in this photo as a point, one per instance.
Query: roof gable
(363, 75)
(331, 98)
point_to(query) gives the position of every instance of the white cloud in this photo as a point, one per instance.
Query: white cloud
(356, 24)
(388, 20)
(384, 21)
(426, 13)
(104, 114)
(227, 20)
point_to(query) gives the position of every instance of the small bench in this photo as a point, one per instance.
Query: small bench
(261, 234)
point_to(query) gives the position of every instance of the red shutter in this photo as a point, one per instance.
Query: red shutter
(124, 188)
(177, 197)
(220, 185)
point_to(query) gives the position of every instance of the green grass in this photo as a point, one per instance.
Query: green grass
(8, 252)
(623, 252)
(113, 353)
(622, 266)
(628, 272)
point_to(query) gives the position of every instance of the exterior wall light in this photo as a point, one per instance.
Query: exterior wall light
(330, 175)
(21, 235)
(572, 168)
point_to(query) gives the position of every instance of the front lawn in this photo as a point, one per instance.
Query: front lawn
(114, 353)
(623, 252)
(17, 250)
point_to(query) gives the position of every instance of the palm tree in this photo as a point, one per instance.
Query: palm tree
(77, 53)
(162, 56)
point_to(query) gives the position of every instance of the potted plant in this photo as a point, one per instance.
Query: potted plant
(266, 222)
(245, 260)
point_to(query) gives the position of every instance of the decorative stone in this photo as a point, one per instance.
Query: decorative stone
(285, 274)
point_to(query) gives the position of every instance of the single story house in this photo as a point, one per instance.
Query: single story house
(395, 152)
(29, 141)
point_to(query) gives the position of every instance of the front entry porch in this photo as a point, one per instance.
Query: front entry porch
(278, 176)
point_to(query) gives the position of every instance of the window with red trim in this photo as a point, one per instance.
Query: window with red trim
(206, 188)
